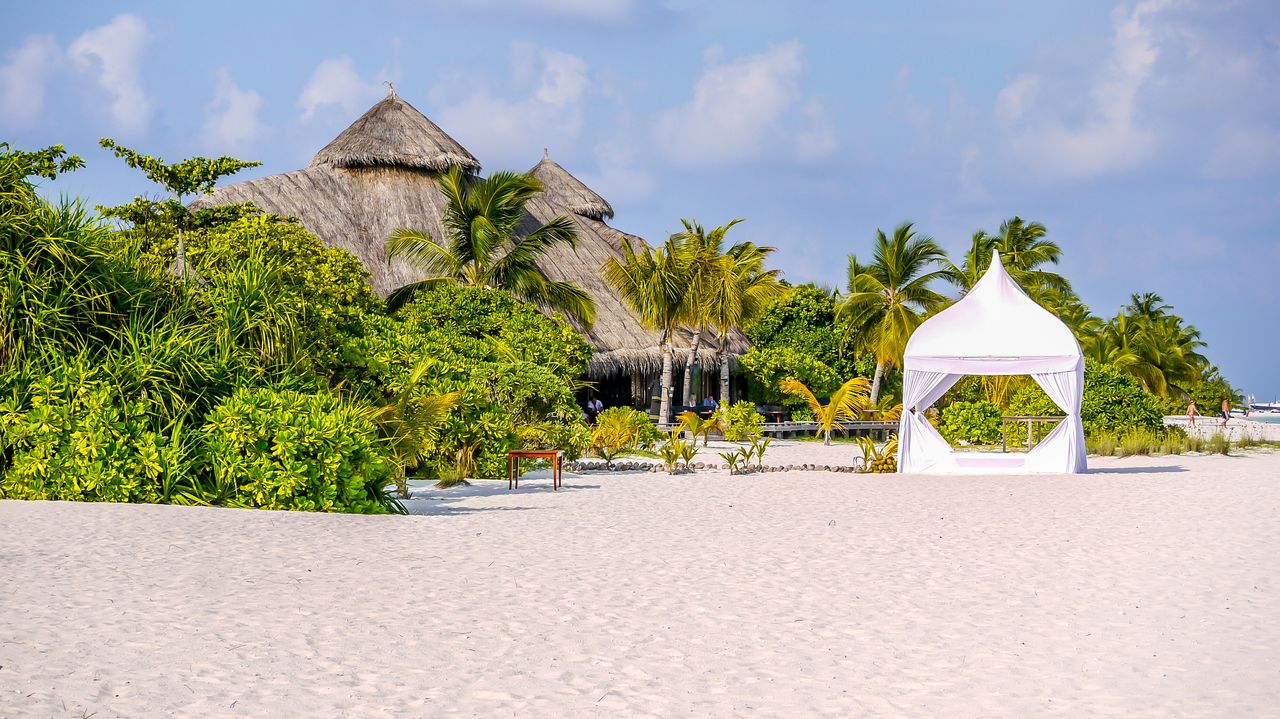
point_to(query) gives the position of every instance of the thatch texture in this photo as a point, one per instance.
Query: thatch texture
(565, 190)
(382, 173)
(393, 133)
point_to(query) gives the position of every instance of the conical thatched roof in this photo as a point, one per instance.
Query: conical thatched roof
(567, 191)
(382, 173)
(394, 133)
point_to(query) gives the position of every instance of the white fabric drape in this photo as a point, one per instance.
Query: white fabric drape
(919, 444)
(1063, 450)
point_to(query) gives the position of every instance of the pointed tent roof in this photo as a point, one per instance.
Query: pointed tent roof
(394, 134)
(563, 189)
(994, 329)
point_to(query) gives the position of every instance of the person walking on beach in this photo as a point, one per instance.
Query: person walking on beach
(1191, 413)
(1226, 411)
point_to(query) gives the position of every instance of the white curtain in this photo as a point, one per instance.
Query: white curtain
(1063, 450)
(919, 444)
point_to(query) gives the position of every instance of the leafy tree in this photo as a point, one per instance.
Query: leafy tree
(193, 176)
(768, 367)
(805, 321)
(888, 298)
(845, 405)
(1148, 342)
(485, 245)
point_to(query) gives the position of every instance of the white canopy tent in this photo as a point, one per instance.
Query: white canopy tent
(995, 329)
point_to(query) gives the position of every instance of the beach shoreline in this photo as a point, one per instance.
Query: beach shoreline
(1146, 587)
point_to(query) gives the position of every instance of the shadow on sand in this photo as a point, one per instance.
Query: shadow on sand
(1165, 469)
(427, 499)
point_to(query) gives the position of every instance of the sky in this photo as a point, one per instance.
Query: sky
(1144, 135)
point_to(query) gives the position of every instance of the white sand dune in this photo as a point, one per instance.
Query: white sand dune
(1148, 588)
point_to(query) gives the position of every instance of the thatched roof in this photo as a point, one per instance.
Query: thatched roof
(565, 190)
(382, 173)
(393, 133)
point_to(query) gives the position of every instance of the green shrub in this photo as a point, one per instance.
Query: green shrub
(971, 423)
(740, 421)
(76, 437)
(1113, 403)
(288, 450)
(1218, 444)
(618, 431)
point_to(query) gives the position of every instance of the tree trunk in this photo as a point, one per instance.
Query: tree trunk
(875, 384)
(828, 440)
(689, 389)
(664, 403)
(724, 372)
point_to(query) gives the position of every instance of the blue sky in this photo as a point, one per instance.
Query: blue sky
(1145, 135)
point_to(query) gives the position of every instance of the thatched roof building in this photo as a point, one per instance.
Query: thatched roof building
(382, 173)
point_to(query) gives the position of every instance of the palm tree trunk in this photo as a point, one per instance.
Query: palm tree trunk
(828, 440)
(664, 404)
(724, 371)
(875, 384)
(689, 389)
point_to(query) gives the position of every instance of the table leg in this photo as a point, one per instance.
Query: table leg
(517, 473)
(1028, 435)
(510, 474)
(559, 467)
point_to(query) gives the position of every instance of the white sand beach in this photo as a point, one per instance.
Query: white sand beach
(1146, 588)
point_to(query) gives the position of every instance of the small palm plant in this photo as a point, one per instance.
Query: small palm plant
(618, 432)
(879, 460)
(408, 420)
(845, 405)
(676, 450)
(698, 426)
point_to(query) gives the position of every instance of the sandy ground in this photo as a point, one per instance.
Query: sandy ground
(1145, 589)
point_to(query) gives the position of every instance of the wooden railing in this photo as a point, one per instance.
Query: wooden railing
(1030, 420)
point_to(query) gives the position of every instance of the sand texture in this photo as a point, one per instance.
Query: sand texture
(1145, 589)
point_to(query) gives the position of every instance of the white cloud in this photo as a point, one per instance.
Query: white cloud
(336, 82)
(1111, 137)
(603, 11)
(546, 111)
(1017, 98)
(232, 122)
(745, 109)
(114, 52)
(22, 79)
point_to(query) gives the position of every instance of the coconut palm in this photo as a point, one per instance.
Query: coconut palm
(705, 253)
(654, 283)
(485, 246)
(845, 404)
(1023, 252)
(888, 298)
(743, 289)
(407, 420)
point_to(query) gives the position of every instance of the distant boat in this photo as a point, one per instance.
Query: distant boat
(1263, 407)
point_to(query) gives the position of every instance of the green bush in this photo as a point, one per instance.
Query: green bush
(971, 423)
(515, 368)
(288, 450)
(75, 436)
(1114, 403)
(740, 421)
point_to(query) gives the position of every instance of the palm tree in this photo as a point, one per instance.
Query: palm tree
(654, 283)
(743, 289)
(485, 247)
(1074, 313)
(845, 404)
(705, 251)
(408, 419)
(1023, 252)
(889, 298)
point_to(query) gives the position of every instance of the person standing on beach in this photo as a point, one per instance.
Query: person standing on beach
(1191, 413)
(1226, 411)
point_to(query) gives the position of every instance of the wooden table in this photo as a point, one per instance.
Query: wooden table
(513, 465)
(1004, 429)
